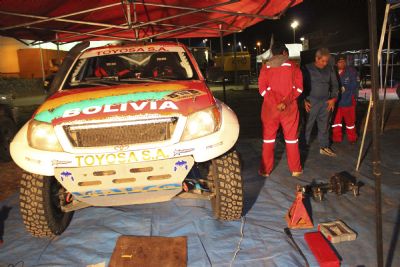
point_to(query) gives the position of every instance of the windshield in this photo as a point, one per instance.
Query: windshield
(130, 68)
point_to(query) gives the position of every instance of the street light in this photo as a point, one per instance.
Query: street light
(240, 45)
(258, 47)
(302, 39)
(294, 26)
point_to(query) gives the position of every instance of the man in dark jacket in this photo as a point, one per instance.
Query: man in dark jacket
(321, 84)
(347, 103)
(280, 83)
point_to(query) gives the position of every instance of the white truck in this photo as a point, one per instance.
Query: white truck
(126, 125)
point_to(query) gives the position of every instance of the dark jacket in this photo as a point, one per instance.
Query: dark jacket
(348, 79)
(320, 84)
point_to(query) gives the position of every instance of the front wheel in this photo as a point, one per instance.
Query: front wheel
(41, 198)
(226, 186)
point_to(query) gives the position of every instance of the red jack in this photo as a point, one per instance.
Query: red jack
(297, 216)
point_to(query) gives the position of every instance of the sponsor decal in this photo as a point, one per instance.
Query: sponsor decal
(215, 145)
(120, 157)
(120, 50)
(178, 152)
(66, 175)
(184, 94)
(127, 190)
(55, 108)
(118, 108)
(180, 164)
(37, 161)
(124, 93)
(59, 162)
(121, 147)
(133, 49)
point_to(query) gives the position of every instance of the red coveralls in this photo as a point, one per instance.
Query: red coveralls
(282, 84)
(346, 107)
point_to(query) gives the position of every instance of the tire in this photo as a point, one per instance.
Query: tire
(227, 186)
(40, 205)
(7, 132)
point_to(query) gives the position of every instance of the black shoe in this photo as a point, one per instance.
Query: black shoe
(327, 151)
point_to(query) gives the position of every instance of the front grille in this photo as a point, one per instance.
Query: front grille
(120, 133)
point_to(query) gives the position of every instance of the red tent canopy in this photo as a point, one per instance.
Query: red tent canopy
(67, 21)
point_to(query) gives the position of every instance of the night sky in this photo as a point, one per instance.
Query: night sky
(344, 19)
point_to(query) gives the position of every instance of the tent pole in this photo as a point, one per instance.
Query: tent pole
(372, 104)
(234, 57)
(58, 51)
(391, 72)
(364, 134)
(181, 28)
(256, 63)
(211, 9)
(42, 19)
(375, 136)
(42, 64)
(386, 75)
(221, 43)
(80, 34)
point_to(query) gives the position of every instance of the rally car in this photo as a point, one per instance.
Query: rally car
(124, 125)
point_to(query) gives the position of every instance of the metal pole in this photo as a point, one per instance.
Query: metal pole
(42, 64)
(386, 75)
(234, 58)
(58, 52)
(294, 35)
(180, 28)
(211, 9)
(375, 136)
(391, 72)
(80, 34)
(221, 43)
(364, 134)
(42, 19)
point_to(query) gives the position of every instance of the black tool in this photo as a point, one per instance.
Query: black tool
(294, 245)
(339, 183)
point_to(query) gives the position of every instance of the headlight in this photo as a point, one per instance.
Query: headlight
(41, 136)
(202, 123)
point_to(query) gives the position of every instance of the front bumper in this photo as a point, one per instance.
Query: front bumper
(126, 184)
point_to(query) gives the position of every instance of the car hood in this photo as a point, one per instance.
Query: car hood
(183, 97)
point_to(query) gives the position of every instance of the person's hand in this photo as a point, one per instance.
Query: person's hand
(331, 104)
(281, 107)
(307, 105)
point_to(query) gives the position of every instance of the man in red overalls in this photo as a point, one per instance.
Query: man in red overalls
(280, 83)
(346, 109)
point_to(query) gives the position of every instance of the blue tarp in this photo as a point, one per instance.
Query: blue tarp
(256, 240)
